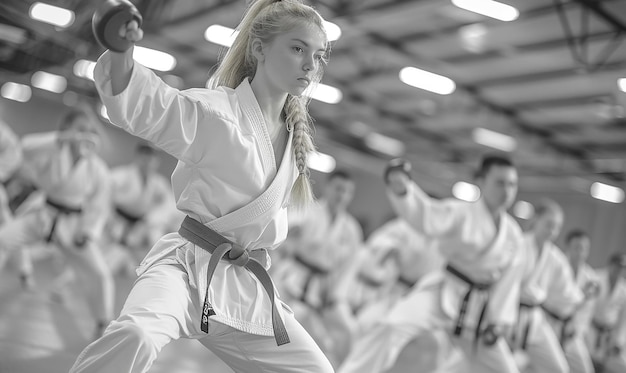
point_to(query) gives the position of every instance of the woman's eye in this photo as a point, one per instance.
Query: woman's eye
(298, 49)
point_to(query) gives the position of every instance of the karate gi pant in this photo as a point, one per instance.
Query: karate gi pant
(578, 356)
(414, 316)
(34, 226)
(163, 307)
(611, 363)
(543, 348)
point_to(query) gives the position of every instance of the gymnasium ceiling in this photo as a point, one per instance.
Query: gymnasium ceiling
(548, 79)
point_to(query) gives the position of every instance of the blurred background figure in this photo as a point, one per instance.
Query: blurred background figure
(140, 196)
(69, 206)
(606, 336)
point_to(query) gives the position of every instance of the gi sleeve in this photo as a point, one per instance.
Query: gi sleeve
(152, 110)
(428, 216)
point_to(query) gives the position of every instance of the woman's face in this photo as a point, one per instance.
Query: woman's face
(292, 59)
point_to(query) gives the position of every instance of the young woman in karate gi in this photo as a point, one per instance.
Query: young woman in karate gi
(241, 147)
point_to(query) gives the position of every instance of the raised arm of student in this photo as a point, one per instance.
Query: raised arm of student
(428, 216)
(139, 102)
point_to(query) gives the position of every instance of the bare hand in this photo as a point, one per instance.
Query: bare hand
(398, 182)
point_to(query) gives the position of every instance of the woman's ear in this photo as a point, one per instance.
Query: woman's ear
(257, 50)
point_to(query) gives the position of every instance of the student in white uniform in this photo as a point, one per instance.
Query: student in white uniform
(549, 283)
(323, 243)
(10, 161)
(477, 297)
(606, 337)
(241, 147)
(138, 191)
(402, 254)
(573, 327)
(70, 204)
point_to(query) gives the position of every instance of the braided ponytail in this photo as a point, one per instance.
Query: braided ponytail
(298, 120)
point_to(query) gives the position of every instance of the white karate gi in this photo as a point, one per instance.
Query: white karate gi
(608, 327)
(414, 257)
(10, 161)
(548, 281)
(327, 243)
(85, 185)
(227, 178)
(138, 199)
(471, 242)
(575, 348)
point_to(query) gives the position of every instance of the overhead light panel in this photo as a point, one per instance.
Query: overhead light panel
(523, 210)
(607, 192)
(12, 34)
(221, 35)
(225, 36)
(321, 162)
(621, 83)
(489, 8)
(466, 191)
(384, 144)
(84, 69)
(324, 93)
(49, 82)
(154, 59)
(494, 139)
(16, 92)
(333, 32)
(426, 80)
(51, 14)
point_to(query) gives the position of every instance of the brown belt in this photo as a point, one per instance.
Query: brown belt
(219, 246)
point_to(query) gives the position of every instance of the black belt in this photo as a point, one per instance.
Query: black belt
(407, 282)
(61, 209)
(219, 246)
(523, 306)
(131, 220)
(602, 331)
(458, 329)
(373, 283)
(563, 336)
(314, 271)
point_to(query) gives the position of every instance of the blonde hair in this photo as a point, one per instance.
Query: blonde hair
(264, 19)
(545, 207)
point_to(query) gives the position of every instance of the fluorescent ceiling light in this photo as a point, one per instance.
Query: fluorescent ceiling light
(494, 139)
(426, 80)
(466, 191)
(51, 14)
(333, 32)
(621, 83)
(384, 144)
(324, 93)
(523, 210)
(321, 162)
(225, 36)
(12, 34)
(16, 92)
(84, 69)
(154, 59)
(103, 112)
(489, 8)
(49, 82)
(607, 192)
(221, 35)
